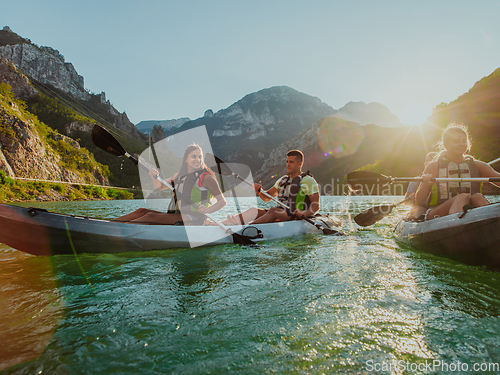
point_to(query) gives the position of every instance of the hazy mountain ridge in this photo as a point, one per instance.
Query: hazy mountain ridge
(354, 146)
(478, 109)
(371, 113)
(147, 126)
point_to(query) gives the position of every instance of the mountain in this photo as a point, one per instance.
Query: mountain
(48, 70)
(44, 64)
(398, 151)
(371, 113)
(332, 148)
(248, 130)
(58, 114)
(478, 109)
(31, 149)
(146, 127)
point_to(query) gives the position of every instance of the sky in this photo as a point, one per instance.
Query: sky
(162, 60)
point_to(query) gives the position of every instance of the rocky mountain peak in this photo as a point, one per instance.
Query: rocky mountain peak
(45, 64)
(8, 37)
(249, 129)
(277, 95)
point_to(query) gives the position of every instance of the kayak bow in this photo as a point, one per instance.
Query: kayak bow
(472, 237)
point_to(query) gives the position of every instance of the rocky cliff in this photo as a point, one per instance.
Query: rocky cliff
(25, 145)
(20, 84)
(48, 66)
(122, 122)
(26, 154)
(44, 64)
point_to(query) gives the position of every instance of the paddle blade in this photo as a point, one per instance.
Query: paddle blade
(242, 240)
(359, 177)
(373, 215)
(106, 142)
(330, 232)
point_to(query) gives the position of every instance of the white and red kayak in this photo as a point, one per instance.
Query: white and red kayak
(40, 232)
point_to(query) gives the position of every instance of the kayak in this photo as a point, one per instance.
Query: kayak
(472, 237)
(40, 232)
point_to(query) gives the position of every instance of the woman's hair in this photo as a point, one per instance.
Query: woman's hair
(184, 167)
(451, 130)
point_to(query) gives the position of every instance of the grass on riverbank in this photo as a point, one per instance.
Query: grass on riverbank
(12, 190)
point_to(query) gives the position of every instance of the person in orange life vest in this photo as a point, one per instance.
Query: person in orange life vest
(194, 180)
(303, 199)
(453, 161)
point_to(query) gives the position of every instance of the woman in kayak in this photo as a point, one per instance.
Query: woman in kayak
(453, 161)
(194, 181)
(416, 210)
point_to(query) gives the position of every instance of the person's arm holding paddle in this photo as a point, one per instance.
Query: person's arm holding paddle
(154, 174)
(261, 194)
(425, 187)
(486, 170)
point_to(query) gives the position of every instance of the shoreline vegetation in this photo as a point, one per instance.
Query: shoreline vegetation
(18, 190)
(13, 190)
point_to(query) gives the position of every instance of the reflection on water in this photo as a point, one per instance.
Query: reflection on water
(314, 304)
(31, 306)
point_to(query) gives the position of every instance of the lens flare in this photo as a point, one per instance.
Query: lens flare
(338, 137)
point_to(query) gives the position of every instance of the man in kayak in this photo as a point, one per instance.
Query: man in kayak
(195, 181)
(297, 189)
(453, 161)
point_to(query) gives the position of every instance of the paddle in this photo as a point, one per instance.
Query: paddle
(375, 214)
(225, 170)
(106, 142)
(359, 177)
(493, 161)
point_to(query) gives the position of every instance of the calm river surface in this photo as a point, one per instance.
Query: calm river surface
(358, 303)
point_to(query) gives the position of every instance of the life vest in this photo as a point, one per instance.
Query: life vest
(290, 193)
(447, 190)
(190, 185)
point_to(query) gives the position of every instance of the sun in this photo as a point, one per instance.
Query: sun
(414, 113)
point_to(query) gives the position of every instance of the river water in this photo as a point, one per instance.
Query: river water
(358, 303)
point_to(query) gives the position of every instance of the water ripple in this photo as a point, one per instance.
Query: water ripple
(314, 304)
